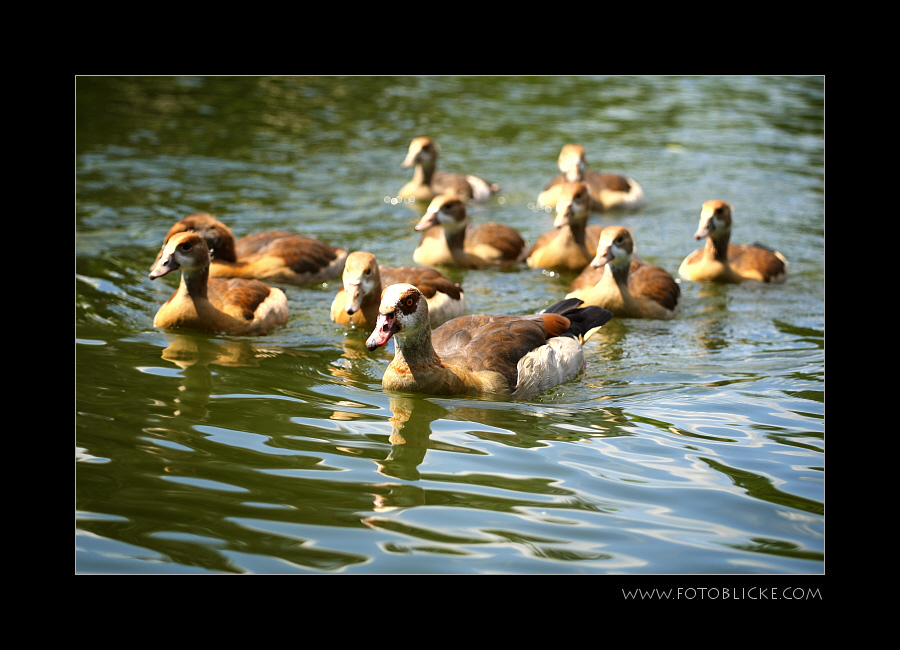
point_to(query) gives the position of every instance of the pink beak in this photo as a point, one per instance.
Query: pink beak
(604, 256)
(410, 160)
(354, 298)
(562, 216)
(430, 219)
(164, 267)
(385, 327)
(704, 230)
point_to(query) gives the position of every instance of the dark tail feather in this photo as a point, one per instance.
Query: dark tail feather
(586, 321)
(583, 321)
(563, 307)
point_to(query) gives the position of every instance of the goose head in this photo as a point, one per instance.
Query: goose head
(403, 312)
(360, 278)
(446, 211)
(715, 220)
(184, 250)
(422, 151)
(573, 205)
(572, 162)
(615, 248)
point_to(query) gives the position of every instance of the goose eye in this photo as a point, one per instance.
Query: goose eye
(409, 302)
(186, 246)
(619, 239)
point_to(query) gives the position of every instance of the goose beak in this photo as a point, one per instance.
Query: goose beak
(354, 297)
(385, 327)
(563, 213)
(410, 160)
(163, 267)
(604, 256)
(707, 226)
(427, 221)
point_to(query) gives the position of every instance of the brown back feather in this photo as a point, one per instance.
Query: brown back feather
(497, 342)
(259, 241)
(755, 257)
(655, 282)
(237, 292)
(450, 183)
(612, 182)
(428, 280)
(301, 254)
(489, 342)
(502, 237)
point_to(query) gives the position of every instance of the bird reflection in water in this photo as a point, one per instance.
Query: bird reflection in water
(194, 353)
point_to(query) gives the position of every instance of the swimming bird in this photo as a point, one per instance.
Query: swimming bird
(273, 255)
(230, 306)
(720, 261)
(428, 183)
(608, 191)
(628, 287)
(513, 356)
(457, 243)
(356, 303)
(573, 244)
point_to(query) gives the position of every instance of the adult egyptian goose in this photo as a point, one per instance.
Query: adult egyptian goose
(514, 356)
(229, 306)
(428, 183)
(720, 261)
(457, 243)
(573, 244)
(356, 303)
(273, 255)
(629, 288)
(608, 191)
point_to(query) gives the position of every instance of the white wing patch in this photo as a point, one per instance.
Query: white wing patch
(557, 362)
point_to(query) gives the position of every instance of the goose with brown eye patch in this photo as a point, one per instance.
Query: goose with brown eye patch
(625, 285)
(514, 356)
(408, 303)
(607, 191)
(230, 306)
(427, 182)
(273, 255)
(721, 261)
